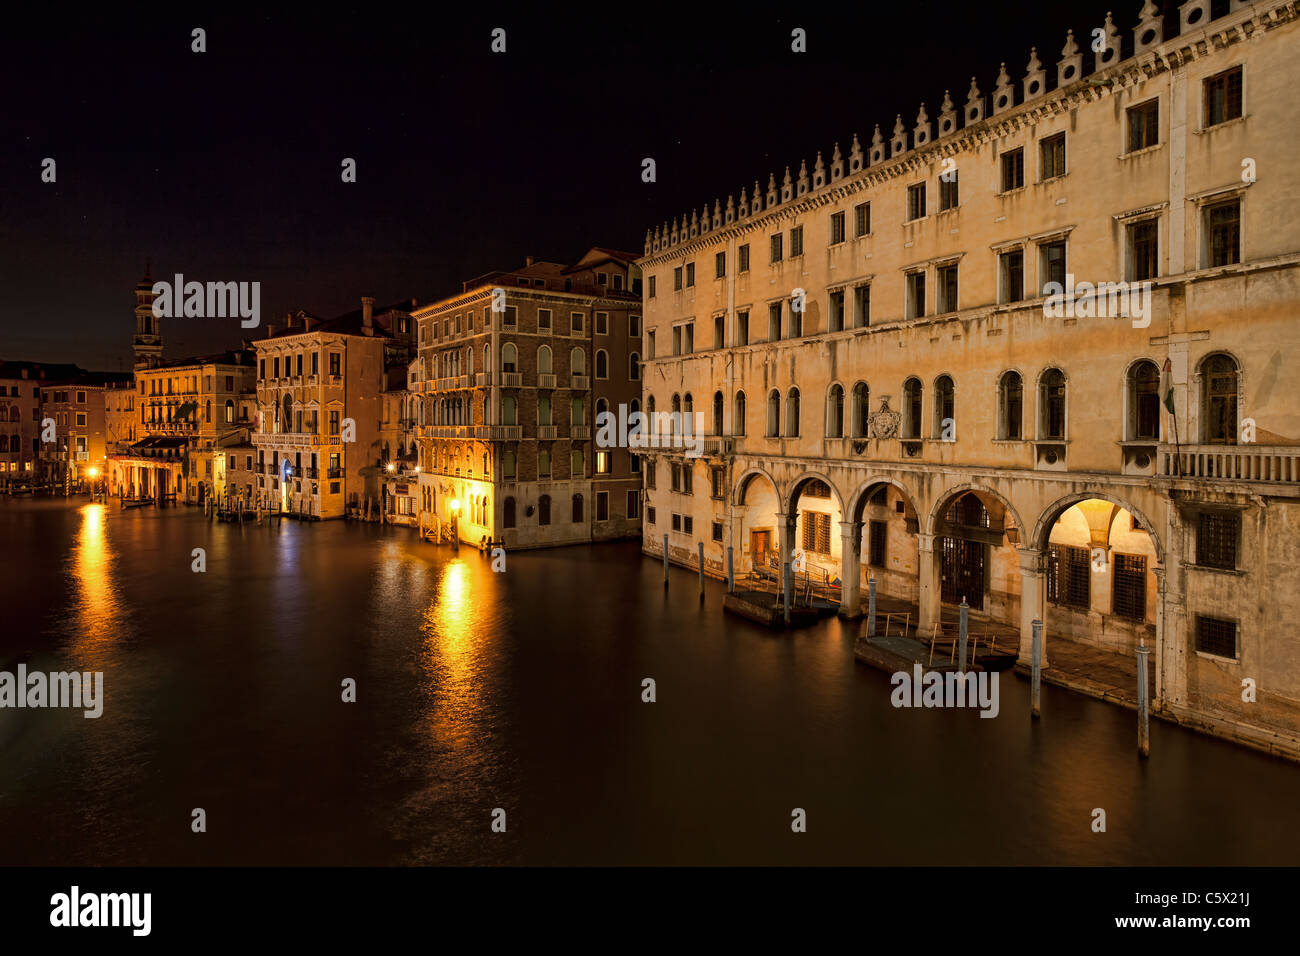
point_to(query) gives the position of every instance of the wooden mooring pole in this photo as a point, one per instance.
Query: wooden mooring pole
(1036, 680)
(963, 630)
(1144, 704)
(701, 554)
(665, 562)
(871, 608)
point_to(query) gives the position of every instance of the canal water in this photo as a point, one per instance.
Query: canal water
(522, 690)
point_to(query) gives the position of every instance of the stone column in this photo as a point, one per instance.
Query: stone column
(1033, 593)
(927, 593)
(785, 545)
(850, 568)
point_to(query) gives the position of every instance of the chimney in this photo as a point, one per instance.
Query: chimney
(270, 330)
(368, 314)
(528, 261)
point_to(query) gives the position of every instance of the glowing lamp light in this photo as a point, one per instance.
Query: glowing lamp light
(93, 472)
(455, 504)
(391, 467)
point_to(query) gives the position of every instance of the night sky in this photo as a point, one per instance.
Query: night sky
(225, 165)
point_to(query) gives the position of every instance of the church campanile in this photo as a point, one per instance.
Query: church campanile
(148, 345)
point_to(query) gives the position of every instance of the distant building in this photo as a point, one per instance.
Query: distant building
(507, 400)
(79, 450)
(20, 419)
(320, 391)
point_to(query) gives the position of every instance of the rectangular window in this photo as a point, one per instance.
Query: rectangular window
(336, 359)
(650, 345)
(1223, 97)
(862, 306)
(777, 247)
(1069, 576)
(649, 514)
(1143, 125)
(677, 521)
(915, 201)
(817, 532)
(1052, 267)
(1129, 586)
(602, 323)
(634, 326)
(742, 258)
(602, 463)
(1223, 229)
(602, 506)
(1013, 169)
(947, 288)
(634, 504)
(1011, 269)
(717, 483)
(774, 322)
(688, 478)
(742, 328)
(796, 242)
(837, 228)
(876, 544)
(577, 322)
(677, 278)
(690, 274)
(511, 318)
(915, 295)
(544, 320)
(652, 287)
(1051, 154)
(862, 219)
(836, 316)
(1143, 250)
(1217, 534)
(948, 191)
(1216, 636)
(719, 265)
(719, 331)
(717, 531)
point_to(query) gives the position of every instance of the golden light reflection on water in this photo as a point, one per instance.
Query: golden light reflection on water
(453, 657)
(97, 606)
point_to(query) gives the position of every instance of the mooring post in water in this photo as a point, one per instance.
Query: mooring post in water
(701, 552)
(1036, 659)
(1144, 716)
(731, 570)
(871, 607)
(964, 608)
(665, 561)
(786, 585)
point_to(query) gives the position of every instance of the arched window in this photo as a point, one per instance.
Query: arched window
(508, 513)
(652, 428)
(861, 410)
(544, 360)
(633, 367)
(911, 425)
(487, 359)
(835, 412)
(230, 411)
(1219, 388)
(577, 508)
(469, 360)
(738, 419)
(688, 415)
(578, 362)
(675, 423)
(509, 357)
(508, 410)
(718, 402)
(1143, 402)
(207, 410)
(792, 413)
(602, 407)
(287, 422)
(1011, 405)
(544, 510)
(543, 409)
(773, 414)
(4, 442)
(1051, 403)
(602, 364)
(945, 409)
(577, 413)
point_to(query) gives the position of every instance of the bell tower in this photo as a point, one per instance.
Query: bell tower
(147, 345)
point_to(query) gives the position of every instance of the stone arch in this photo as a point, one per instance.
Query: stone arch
(858, 499)
(743, 482)
(1052, 513)
(790, 497)
(949, 494)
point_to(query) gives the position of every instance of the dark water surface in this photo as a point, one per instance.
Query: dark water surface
(522, 690)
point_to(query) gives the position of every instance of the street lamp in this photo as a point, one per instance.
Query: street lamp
(392, 467)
